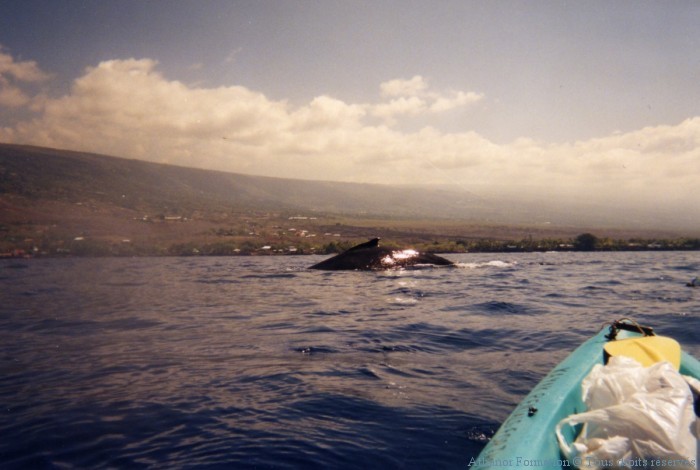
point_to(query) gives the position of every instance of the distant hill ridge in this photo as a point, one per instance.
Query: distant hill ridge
(39, 173)
(36, 173)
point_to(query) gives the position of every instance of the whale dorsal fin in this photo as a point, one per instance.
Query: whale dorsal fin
(373, 243)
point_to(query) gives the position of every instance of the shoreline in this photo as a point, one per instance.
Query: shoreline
(270, 252)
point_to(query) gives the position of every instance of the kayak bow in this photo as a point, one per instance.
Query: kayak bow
(527, 438)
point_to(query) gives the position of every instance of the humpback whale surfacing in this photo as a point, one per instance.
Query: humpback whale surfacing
(369, 256)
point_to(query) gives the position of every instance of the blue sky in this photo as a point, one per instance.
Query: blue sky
(561, 98)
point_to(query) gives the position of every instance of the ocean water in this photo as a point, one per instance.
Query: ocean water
(257, 362)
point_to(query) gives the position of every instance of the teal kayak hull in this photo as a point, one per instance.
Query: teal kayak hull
(527, 439)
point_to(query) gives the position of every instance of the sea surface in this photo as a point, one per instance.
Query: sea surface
(258, 362)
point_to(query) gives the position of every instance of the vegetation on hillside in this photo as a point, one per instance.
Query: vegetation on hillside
(59, 203)
(239, 245)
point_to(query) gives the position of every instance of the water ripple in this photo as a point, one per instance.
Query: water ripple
(260, 363)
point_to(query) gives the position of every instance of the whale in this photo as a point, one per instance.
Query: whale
(369, 256)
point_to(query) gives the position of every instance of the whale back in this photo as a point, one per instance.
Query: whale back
(369, 256)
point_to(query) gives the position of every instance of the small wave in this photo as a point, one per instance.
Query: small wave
(690, 267)
(318, 329)
(218, 281)
(127, 284)
(396, 348)
(597, 290)
(16, 266)
(369, 372)
(488, 264)
(325, 313)
(396, 371)
(610, 282)
(401, 348)
(270, 276)
(496, 306)
(404, 301)
(310, 350)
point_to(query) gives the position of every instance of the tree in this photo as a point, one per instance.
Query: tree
(585, 242)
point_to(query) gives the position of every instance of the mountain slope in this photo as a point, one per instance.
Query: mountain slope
(42, 174)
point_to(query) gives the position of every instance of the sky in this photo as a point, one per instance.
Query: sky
(596, 100)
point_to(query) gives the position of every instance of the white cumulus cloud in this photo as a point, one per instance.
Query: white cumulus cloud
(14, 76)
(414, 97)
(402, 87)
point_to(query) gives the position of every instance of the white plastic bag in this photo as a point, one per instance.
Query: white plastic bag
(633, 413)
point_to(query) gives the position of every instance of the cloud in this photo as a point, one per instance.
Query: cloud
(455, 100)
(13, 76)
(413, 97)
(26, 71)
(128, 108)
(405, 105)
(12, 96)
(401, 87)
